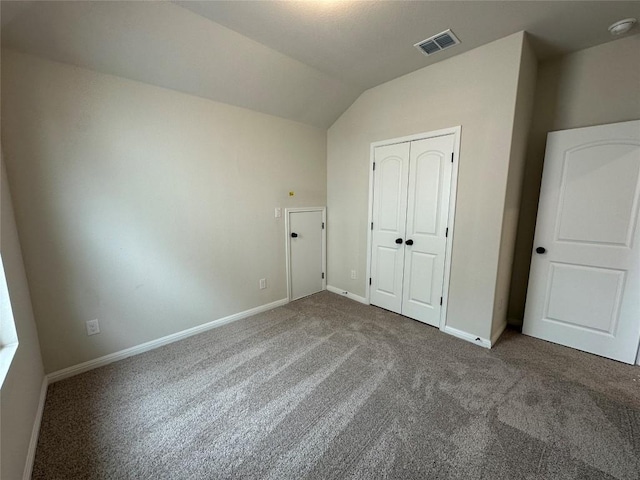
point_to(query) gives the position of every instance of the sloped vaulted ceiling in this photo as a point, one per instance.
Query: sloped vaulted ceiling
(306, 61)
(163, 44)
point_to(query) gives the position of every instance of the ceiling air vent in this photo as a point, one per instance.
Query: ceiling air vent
(438, 42)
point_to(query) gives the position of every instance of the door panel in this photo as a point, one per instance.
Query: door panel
(427, 217)
(598, 310)
(386, 262)
(599, 194)
(389, 221)
(583, 291)
(420, 284)
(391, 171)
(305, 253)
(425, 201)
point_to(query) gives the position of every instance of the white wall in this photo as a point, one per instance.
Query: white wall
(148, 209)
(20, 395)
(521, 126)
(476, 90)
(595, 86)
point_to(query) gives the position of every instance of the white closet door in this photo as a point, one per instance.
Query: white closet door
(427, 216)
(584, 286)
(389, 222)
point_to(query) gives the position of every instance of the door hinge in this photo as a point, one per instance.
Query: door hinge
(323, 225)
(371, 225)
(374, 165)
(369, 280)
(451, 157)
(322, 274)
(440, 300)
(446, 233)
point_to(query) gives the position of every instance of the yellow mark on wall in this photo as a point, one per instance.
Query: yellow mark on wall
(291, 194)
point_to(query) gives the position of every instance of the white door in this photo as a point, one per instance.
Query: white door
(306, 257)
(584, 285)
(425, 238)
(389, 224)
(410, 213)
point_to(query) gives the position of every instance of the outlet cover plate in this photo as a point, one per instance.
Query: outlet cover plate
(93, 327)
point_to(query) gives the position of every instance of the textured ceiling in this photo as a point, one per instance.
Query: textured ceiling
(369, 43)
(306, 61)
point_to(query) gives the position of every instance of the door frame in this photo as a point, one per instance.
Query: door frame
(456, 132)
(287, 239)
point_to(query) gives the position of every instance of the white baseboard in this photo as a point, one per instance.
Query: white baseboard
(145, 347)
(35, 431)
(350, 295)
(483, 342)
(496, 336)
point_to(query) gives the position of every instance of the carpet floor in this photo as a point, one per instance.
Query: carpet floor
(326, 388)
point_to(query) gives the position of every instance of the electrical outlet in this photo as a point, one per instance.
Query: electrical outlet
(354, 275)
(93, 327)
(263, 283)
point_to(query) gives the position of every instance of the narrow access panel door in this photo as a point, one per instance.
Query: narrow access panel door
(305, 250)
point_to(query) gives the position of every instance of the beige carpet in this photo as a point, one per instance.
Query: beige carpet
(328, 388)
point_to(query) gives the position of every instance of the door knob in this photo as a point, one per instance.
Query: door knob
(541, 250)
(294, 235)
(399, 241)
(409, 242)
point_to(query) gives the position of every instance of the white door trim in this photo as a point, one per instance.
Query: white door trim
(456, 131)
(287, 234)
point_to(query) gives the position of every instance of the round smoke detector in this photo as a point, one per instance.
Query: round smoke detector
(622, 27)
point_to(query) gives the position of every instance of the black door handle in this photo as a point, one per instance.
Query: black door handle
(294, 235)
(541, 250)
(409, 242)
(399, 241)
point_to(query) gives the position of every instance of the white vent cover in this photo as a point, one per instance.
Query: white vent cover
(438, 42)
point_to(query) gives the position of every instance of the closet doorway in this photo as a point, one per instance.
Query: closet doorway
(412, 203)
